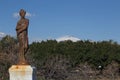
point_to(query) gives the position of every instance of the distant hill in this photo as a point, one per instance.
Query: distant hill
(65, 38)
(2, 35)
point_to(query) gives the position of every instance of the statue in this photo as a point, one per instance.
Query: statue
(22, 36)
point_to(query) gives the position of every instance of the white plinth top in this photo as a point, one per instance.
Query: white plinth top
(21, 68)
(21, 72)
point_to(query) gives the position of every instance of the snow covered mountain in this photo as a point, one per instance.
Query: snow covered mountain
(2, 35)
(65, 38)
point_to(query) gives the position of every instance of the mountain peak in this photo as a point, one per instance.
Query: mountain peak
(65, 38)
(2, 35)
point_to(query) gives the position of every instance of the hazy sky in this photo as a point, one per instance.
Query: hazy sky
(49, 19)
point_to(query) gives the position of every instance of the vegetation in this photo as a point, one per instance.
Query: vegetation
(59, 60)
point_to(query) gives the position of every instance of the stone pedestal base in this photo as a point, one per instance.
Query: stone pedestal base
(21, 72)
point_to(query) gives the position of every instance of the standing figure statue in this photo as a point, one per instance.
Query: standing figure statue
(22, 36)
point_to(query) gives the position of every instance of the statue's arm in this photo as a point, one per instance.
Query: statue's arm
(18, 26)
(23, 26)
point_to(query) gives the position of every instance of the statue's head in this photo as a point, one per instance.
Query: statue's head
(22, 13)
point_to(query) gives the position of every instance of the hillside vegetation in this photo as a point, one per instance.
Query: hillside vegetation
(67, 60)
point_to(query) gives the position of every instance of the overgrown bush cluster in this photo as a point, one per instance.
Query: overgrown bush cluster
(95, 53)
(57, 60)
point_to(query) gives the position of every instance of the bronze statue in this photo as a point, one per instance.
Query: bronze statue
(22, 35)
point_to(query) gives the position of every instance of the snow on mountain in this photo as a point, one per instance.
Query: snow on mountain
(65, 38)
(2, 35)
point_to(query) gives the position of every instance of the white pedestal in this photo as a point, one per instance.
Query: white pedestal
(21, 72)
